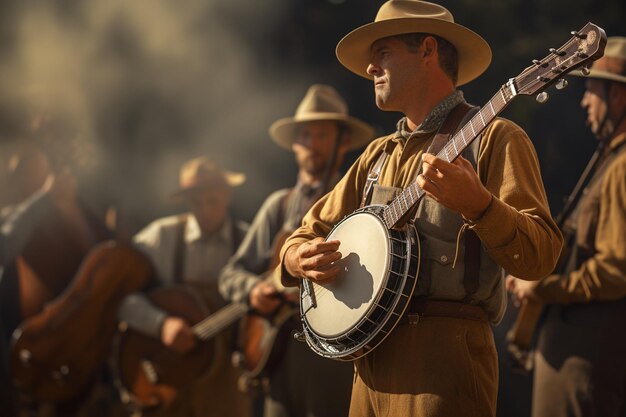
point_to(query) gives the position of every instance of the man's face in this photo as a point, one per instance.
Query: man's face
(594, 101)
(314, 145)
(210, 207)
(396, 72)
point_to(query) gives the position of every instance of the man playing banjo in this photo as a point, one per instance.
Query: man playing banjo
(483, 212)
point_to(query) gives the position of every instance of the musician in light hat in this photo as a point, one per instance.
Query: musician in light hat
(581, 343)
(301, 384)
(484, 212)
(189, 249)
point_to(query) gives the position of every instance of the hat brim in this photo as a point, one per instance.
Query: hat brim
(233, 179)
(600, 75)
(283, 131)
(474, 53)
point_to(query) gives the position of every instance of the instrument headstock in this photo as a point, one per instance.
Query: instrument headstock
(584, 47)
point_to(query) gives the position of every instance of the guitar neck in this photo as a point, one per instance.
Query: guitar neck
(452, 149)
(219, 320)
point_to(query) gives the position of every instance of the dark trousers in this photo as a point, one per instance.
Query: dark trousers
(9, 319)
(580, 366)
(307, 385)
(6, 400)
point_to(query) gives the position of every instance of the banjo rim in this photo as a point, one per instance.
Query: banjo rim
(359, 340)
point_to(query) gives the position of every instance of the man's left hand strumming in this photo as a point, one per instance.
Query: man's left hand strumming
(455, 185)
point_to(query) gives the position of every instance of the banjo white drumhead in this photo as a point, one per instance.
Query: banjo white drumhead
(365, 256)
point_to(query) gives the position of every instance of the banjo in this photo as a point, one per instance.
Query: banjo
(351, 316)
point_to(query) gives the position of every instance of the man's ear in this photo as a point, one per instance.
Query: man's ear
(617, 95)
(429, 46)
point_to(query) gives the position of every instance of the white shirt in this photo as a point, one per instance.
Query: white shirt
(203, 258)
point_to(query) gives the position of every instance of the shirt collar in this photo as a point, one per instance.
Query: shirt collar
(433, 121)
(617, 141)
(310, 190)
(193, 232)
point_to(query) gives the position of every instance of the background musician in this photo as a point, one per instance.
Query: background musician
(31, 191)
(319, 134)
(46, 233)
(580, 366)
(190, 249)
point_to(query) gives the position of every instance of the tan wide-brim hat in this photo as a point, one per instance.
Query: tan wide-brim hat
(612, 65)
(200, 173)
(397, 17)
(321, 102)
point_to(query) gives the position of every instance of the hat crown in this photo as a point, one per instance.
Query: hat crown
(321, 99)
(614, 59)
(399, 9)
(397, 17)
(616, 47)
(199, 172)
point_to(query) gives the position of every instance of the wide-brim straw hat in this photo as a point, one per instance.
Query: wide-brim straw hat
(200, 173)
(321, 102)
(397, 17)
(612, 65)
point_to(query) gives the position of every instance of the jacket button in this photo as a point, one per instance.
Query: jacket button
(516, 256)
(444, 258)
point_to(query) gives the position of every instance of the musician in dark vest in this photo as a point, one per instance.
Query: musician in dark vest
(31, 192)
(190, 249)
(484, 212)
(301, 384)
(580, 366)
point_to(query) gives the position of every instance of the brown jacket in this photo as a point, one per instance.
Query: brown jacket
(517, 230)
(601, 228)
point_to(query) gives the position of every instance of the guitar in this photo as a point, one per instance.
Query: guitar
(264, 340)
(148, 373)
(351, 316)
(56, 354)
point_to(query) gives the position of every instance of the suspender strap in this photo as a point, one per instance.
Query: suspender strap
(236, 234)
(450, 126)
(179, 249)
(372, 177)
(285, 207)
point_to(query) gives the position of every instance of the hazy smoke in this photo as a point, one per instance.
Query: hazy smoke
(143, 85)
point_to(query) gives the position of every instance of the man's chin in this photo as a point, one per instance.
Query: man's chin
(383, 104)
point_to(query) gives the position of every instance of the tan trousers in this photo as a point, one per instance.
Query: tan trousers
(439, 367)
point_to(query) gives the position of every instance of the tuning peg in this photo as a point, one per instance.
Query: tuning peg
(539, 64)
(555, 52)
(579, 35)
(585, 70)
(542, 97)
(561, 84)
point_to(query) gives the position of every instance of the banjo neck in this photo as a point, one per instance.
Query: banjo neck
(580, 50)
(412, 194)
